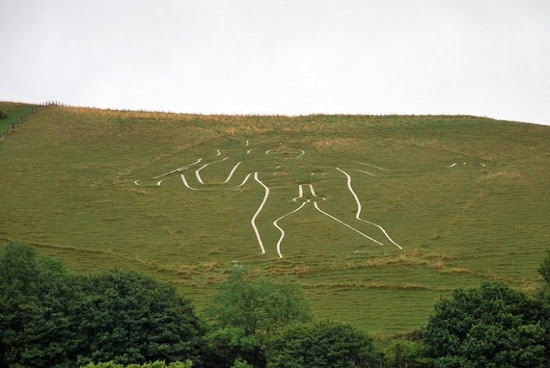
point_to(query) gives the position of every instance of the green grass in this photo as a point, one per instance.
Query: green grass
(14, 111)
(68, 187)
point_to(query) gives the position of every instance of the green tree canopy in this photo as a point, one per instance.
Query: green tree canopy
(49, 318)
(404, 352)
(248, 307)
(488, 326)
(37, 327)
(226, 345)
(321, 345)
(156, 364)
(130, 318)
(544, 269)
(257, 303)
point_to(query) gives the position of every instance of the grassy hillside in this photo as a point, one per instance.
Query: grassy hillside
(14, 112)
(466, 198)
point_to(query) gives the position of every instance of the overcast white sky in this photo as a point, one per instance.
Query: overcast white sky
(476, 57)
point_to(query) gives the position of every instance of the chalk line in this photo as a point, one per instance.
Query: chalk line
(300, 193)
(185, 182)
(301, 154)
(281, 230)
(365, 172)
(253, 221)
(179, 169)
(343, 223)
(136, 183)
(376, 167)
(160, 181)
(244, 181)
(248, 152)
(267, 152)
(246, 143)
(197, 172)
(453, 165)
(312, 190)
(231, 173)
(218, 152)
(359, 208)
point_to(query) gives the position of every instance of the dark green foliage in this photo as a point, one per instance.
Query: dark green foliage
(489, 326)
(258, 303)
(544, 269)
(37, 322)
(130, 318)
(406, 353)
(248, 307)
(544, 290)
(48, 318)
(157, 364)
(227, 345)
(321, 345)
(3, 115)
(239, 363)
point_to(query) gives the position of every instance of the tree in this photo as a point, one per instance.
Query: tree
(239, 363)
(404, 352)
(544, 290)
(259, 304)
(489, 326)
(37, 328)
(49, 318)
(157, 364)
(246, 308)
(130, 318)
(544, 269)
(230, 344)
(321, 345)
(3, 115)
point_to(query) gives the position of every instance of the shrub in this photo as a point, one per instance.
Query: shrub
(489, 326)
(259, 304)
(157, 364)
(128, 318)
(49, 318)
(321, 345)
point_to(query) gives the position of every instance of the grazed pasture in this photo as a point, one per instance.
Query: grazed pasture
(465, 198)
(13, 113)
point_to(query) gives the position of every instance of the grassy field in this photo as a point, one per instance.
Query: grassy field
(14, 111)
(68, 185)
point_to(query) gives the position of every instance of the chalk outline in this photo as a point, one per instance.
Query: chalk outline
(267, 192)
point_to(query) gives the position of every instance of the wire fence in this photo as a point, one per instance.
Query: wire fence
(22, 118)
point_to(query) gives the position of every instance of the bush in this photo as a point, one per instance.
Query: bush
(239, 363)
(128, 318)
(259, 304)
(37, 321)
(157, 364)
(544, 268)
(49, 318)
(405, 353)
(321, 345)
(3, 115)
(489, 326)
(229, 345)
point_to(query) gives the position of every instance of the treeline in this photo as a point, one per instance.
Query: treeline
(52, 318)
